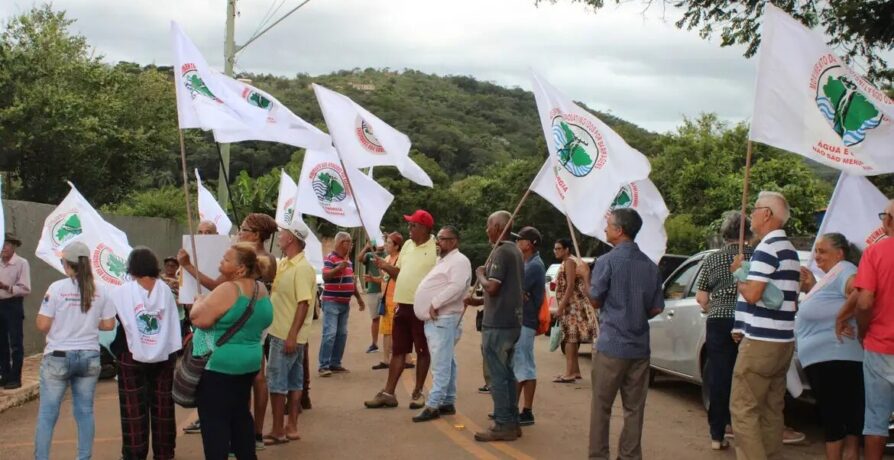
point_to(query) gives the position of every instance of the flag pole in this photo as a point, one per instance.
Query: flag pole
(573, 235)
(192, 234)
(745, 199)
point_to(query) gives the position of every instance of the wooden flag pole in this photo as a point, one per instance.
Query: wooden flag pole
(573, 236)
(745, 199)
(192, 234)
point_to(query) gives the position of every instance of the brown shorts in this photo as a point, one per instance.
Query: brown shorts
(407, 331)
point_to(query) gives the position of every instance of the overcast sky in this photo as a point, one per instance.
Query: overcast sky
(639, 67)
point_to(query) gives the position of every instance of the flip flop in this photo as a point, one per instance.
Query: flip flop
(563, 379)
(274, 441)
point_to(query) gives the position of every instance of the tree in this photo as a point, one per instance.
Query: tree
(860, 28)
(65, 115)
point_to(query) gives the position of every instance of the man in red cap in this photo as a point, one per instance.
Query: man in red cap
(417, 258)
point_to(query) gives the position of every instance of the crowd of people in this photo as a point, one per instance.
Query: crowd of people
(253, 326)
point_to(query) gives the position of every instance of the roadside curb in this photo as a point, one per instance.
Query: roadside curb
(30, 385)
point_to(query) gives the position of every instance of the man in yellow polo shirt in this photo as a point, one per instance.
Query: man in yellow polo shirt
(293, 293)
(417, 258)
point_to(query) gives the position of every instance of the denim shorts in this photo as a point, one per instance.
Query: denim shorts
(285, 373)
(878, 379)
(523, 358)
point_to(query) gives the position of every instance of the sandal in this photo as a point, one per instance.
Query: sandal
(270, 440)
(563, 379)
(293, 436)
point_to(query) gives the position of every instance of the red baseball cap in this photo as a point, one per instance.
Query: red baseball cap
(421, 217)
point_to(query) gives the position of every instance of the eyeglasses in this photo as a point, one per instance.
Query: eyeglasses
(882, 215)
(755, 208)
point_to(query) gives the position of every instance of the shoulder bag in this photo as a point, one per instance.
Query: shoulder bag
(189, 368)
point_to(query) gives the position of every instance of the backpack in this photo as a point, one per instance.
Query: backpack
(543, 317)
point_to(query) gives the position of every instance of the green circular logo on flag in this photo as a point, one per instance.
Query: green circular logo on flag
(849, 112)
(66, 227)
(579, 145)
(328, 184)
(256, 99)
(627, 197)
(108, 266)
(194, 83)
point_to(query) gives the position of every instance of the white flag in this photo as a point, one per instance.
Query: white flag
(363, 140)
(323, 191)
(209, 209)
(853, 212)
(641, 195)
(589, 161)
(285, 214)
(204, 100)
(75, 220)
(281, 124)
(807, 101)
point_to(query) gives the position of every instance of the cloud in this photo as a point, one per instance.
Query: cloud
(638, 67)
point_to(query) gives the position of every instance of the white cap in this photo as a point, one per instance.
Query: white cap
(75, 250)
(297, 228)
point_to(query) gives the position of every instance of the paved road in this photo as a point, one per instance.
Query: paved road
(340, 427)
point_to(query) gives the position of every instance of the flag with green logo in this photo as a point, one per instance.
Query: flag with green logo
(281, 124)
(807, 101)
(329, 191)
(588, 162)
(204, 100)
(76, 220)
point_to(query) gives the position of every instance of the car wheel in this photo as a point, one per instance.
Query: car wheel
(706, 396)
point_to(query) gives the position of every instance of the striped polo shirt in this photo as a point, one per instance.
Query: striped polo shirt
(775, 261)
(338, 289)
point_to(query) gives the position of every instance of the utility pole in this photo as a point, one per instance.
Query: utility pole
(230, 50)
(229, 59)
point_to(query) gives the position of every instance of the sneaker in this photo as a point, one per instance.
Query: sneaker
(418, 401)
(427, 414)
(728, 433)
(498, 433)
(719, 445)
(380, 366)
(447, 409)
(339, 370)
(12, 385)
(259, 442)
(484, 389)
(372, 348)
(526, 417)
(325, 373)
(382, 399)
(790, 436)
(193, 428)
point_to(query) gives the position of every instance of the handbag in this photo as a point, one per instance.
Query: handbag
(189, 368)
(555, 336)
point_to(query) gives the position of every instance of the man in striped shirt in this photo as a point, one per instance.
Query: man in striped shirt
(765, 334)
(339, 286)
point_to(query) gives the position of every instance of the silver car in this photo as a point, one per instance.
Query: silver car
(677, 335)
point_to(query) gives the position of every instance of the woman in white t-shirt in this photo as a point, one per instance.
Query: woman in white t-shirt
(146, 348)
(73, 312)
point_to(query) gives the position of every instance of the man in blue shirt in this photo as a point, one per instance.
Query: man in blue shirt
(626, 288)
(533, 287)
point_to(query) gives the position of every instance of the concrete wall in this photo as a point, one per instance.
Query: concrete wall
(25, 219)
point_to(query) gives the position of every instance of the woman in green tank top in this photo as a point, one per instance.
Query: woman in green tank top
(224, 390)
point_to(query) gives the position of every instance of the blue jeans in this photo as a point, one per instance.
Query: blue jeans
(878, 379)
(498, 348)
(335, 334)
(81, 370)
(722, 352)
(442, 334)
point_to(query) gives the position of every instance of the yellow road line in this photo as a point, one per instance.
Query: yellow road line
(471, 446)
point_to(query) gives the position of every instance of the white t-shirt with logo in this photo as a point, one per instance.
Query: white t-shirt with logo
(73, 329)
(150, 320)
